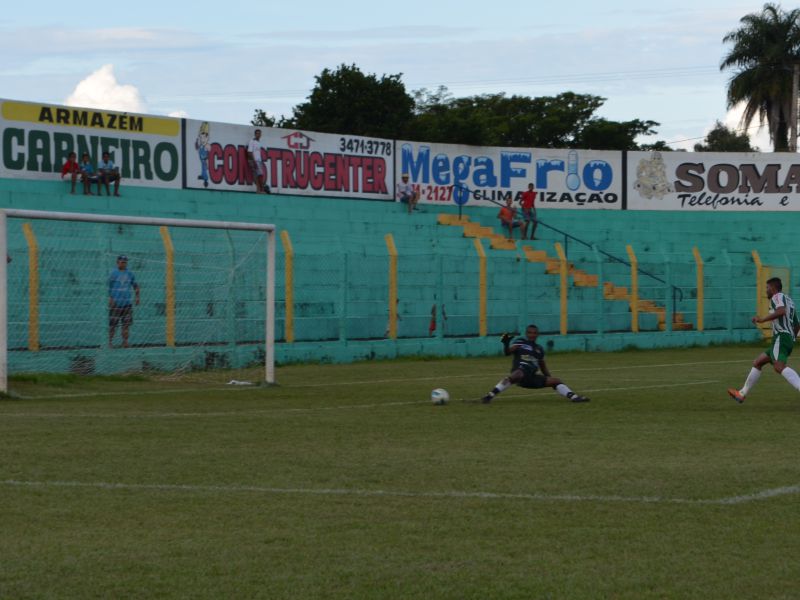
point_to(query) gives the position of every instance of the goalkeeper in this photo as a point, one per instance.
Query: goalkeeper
(528, 361)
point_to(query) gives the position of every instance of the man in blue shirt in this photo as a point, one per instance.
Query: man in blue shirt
(107, 172)
(121, 284)
(88, 176)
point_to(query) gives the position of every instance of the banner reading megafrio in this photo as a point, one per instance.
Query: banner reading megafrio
(295, 162)
(37, 138)
(580, 179)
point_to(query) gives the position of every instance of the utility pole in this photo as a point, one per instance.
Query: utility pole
(793, 117)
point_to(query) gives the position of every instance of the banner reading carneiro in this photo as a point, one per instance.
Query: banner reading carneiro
(37, 138)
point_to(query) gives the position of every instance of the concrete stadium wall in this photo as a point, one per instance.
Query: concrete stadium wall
(341, 280)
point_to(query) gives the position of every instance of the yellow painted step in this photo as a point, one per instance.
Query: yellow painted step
(451, 219)
(502, 243)
(534, 255)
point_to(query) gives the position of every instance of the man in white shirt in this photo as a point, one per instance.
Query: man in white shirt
(256, 162)
(407, 194)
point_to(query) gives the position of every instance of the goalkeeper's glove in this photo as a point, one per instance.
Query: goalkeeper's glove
(505, 339)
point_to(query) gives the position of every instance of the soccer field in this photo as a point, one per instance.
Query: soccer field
(346, 482)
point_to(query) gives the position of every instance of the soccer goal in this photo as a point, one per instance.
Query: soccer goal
(105, 294)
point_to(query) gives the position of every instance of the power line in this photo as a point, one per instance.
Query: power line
(594, 77)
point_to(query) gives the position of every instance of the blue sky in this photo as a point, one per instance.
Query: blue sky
(220, 61)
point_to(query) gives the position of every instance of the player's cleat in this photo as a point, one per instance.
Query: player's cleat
(736, 395)
(577, 398)
(486, 399)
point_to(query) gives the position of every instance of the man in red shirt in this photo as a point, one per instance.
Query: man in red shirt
(528, 211)
(73, 168)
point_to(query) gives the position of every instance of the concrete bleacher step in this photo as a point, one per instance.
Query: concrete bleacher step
(452, 219)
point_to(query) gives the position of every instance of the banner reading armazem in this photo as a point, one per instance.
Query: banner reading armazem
(578, 179)
(37, 138)
(297, 162)
(713, 181)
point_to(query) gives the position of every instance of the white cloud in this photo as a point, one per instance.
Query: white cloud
(102, 90)
(178, 114)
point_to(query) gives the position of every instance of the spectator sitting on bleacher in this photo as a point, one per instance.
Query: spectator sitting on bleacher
(508, 218)
(72, 168)
(407, 194)
(88, 176)
(107, 172)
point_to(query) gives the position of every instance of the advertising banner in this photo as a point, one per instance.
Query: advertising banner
(37, 138)
(572, 179)
(713, 181)
(296, 162)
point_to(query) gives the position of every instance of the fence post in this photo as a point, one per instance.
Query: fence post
(601, 299)
(169, 286)
(700, 289)
(669, 294)
(33, 287)
(440, 294)
(343, 299)
(392, 285)
(728, 263)
(288, 284)
(481, 286)
(563, 271)
(634, 291)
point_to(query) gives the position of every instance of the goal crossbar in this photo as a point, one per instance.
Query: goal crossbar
(269, 229)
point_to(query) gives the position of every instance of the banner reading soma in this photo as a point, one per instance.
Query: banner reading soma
(37, 138)
(713, 181)
(297, 162)
(578, 179)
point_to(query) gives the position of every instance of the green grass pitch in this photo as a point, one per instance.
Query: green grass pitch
(345, 482)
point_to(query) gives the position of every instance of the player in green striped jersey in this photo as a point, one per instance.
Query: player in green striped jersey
(785, 327)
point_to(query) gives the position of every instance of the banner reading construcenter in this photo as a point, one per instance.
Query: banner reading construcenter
(37, 138)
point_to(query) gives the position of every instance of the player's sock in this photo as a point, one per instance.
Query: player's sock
(564, 390)
(752, 377)
(792, 377)
(500, 387)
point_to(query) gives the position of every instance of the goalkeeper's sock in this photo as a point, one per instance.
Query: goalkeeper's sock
(565, 391)
(792, 377)
(500, 387)
(752, 378)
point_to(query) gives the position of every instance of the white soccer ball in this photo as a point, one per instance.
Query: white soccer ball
(440, 396)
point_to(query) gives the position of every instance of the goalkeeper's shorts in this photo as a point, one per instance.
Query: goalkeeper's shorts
(532, 380)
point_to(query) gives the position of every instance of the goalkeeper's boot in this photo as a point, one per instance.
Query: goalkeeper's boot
(736, 395)
(577, 398)
(486, 399)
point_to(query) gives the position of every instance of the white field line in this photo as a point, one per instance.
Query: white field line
(283, 409)
(452, 494)
(487, 375)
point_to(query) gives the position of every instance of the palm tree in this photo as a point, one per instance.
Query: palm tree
(765, 48)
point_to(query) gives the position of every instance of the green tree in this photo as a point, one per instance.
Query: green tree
(601, 134)
(564, 121)
(723, 139)
(765, 48)
(348, 101)
(262, 119)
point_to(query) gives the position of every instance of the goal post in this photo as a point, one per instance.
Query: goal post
(205, 287)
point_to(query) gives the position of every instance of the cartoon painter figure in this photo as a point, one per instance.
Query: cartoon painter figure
(202, 144)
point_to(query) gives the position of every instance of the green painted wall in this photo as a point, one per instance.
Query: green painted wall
(341, 279)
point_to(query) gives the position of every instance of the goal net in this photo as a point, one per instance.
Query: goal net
(102, 294)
